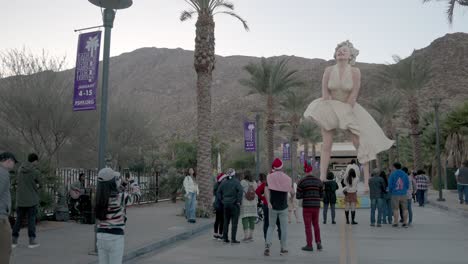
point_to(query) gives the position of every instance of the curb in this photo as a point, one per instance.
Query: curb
(446, 208)
(158, 245)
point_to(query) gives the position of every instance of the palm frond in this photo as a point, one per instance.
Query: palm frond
(194, 4)
(244, 23)
(212, 7)
(186, 15)
(407, 75)
(386, 106)
(259, 76)
(295, 102)
(282, 78)
(221, 3)
(308, 130)
(450, 9)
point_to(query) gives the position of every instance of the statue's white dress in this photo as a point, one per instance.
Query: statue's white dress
(336, 113)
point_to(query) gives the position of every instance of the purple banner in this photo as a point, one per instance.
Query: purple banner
(249, 136)
(286, 151)
(302, 158)
(86, 71)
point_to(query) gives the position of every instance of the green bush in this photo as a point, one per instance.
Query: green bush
(451, 181)
(171, 184)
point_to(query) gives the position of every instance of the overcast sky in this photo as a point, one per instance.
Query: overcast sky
(305, 28)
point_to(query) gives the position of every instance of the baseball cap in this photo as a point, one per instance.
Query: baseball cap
(107, 174)
(7, 155)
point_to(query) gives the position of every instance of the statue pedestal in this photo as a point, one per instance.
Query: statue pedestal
(363, 197)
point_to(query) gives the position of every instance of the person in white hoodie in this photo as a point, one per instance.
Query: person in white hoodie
(191, 193)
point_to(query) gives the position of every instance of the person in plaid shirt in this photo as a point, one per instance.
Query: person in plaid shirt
(422, 183)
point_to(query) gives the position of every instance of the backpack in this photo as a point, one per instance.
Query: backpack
(250, 194)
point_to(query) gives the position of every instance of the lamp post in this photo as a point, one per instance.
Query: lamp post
(108, 18)
(257, 112)
(397, 139)
(436, 103)
(257, 146)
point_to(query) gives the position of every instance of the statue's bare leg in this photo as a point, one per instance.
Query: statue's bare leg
(327, 138)
(355, 139)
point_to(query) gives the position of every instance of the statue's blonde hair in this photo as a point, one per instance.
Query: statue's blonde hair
(354, 52)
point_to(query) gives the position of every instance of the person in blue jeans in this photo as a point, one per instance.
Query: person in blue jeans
(462, 182)
(376, 192)
(422, 183)
(387, 213)
(191, 192)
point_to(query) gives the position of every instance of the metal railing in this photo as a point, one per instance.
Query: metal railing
(148, 181)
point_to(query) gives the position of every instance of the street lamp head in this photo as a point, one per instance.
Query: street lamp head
(113, 4)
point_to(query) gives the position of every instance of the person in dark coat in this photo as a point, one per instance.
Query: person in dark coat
(376, 195)
(27, 199)
(329, 197)
(219, 209)
(230, 193)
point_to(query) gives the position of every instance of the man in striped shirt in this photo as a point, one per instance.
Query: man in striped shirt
(310, 190)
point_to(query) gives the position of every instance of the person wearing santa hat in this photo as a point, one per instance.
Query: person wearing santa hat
(310, 190)
(219, 208)
(276, 192)
(261, 194)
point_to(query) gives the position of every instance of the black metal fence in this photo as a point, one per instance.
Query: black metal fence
(147, 180)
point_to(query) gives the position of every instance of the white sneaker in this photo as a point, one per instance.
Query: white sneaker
(33, 243)
(14, 242)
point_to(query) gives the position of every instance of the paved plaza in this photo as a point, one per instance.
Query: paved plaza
(436, 237)
(155, 234)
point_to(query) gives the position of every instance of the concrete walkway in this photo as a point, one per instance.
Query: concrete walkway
(451, 203)
(149, 227)
(434, 238)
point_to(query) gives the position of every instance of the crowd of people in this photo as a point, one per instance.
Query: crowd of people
(113, 194)
(277, 195)
(235, 199)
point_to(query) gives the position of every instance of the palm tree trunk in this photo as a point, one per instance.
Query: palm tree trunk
(378, 164)
(415, 133)
(204, 137)
(204, 62)
(306, 149)
(314, 151)
(270, 132)
(295, 138)
(391, 152)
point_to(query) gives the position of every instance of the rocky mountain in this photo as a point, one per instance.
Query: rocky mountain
(162, 82)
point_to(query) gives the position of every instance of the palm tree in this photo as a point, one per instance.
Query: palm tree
(294, 104)
(270, 78)
(451, 7)
(310, 133)
(409, 76)
(204, 63)
(387, 107)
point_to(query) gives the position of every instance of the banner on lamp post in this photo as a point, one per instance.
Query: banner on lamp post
(249, 136)
(302, 157)
(286, 151)
(86, 71)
